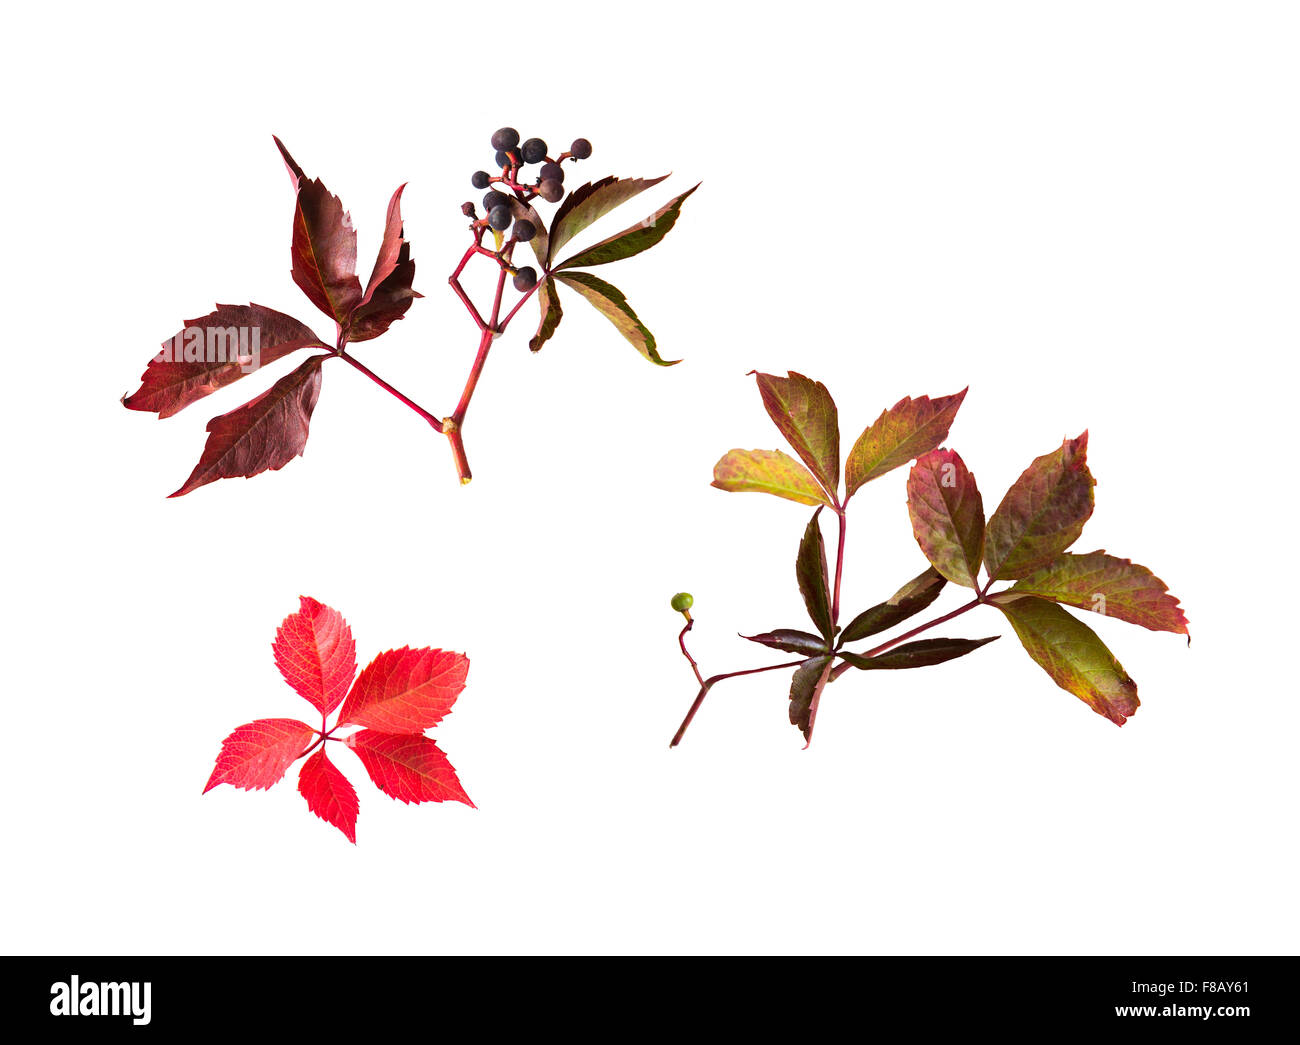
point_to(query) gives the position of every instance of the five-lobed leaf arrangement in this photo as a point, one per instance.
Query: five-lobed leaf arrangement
(396, 698)
(270, 430)
(1025, 541)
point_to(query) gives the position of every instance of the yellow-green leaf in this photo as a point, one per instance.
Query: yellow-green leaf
(1070, 651)
(768, 471)
(805, 413)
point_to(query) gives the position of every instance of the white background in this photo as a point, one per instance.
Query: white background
(1086, 212)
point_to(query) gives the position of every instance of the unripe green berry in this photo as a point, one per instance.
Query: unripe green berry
(683, 601)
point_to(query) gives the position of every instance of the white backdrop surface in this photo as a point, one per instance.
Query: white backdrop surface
(1088, 213)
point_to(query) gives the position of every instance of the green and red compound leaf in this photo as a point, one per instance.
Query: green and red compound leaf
(1105, 584)
(768, 471)
(408, 768)
(631, 241)
(947, 515)
(257, 755)
(216, 350)
(316, 654)
(806, 415)
(1025, 541)
(907, 430)
(814, 580)
(1072, 654)
(1042, 514)
(329, 794)
(405, 690)
(909, 600)
(264, 434)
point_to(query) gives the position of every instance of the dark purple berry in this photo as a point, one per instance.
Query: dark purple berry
(480, 179)
(524, 230)
(526, 278)
(551, 172)
(495, 199)
(533, 150)
(500, 217)
(580, 149)
(505, 139)
(503, 160)
(550, 190)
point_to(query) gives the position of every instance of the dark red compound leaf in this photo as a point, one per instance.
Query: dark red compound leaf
(258, 754)
(316, 654)
(329, 794)
(405, 690)
(410, 768)
(264, 434)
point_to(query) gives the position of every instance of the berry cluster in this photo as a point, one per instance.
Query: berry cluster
(502, 209)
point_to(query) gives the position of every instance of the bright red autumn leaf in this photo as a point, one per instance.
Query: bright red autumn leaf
(406, 690)
(408, 767)
(329, 794)
(316, 654)
(398, 695)
(256, 755)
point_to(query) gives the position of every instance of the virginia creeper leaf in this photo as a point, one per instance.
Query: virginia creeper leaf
(215, 350)
(1042, 514)
(1107, 585)
(409, 768)
(768, 471)
(791, 641)
(909, 600)
(256, 755)
(548, 298)
(631, 241)
(609, 300)
(908, 429)
(266, 433)
(405, 690)
(814, 582)
(947, 515)
(803, 688)
(1070, 651)
(330, 795)
(388, 294)
(920, 654)
(316, 654)
(324, 246)
(588, 203)
(805, 413)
